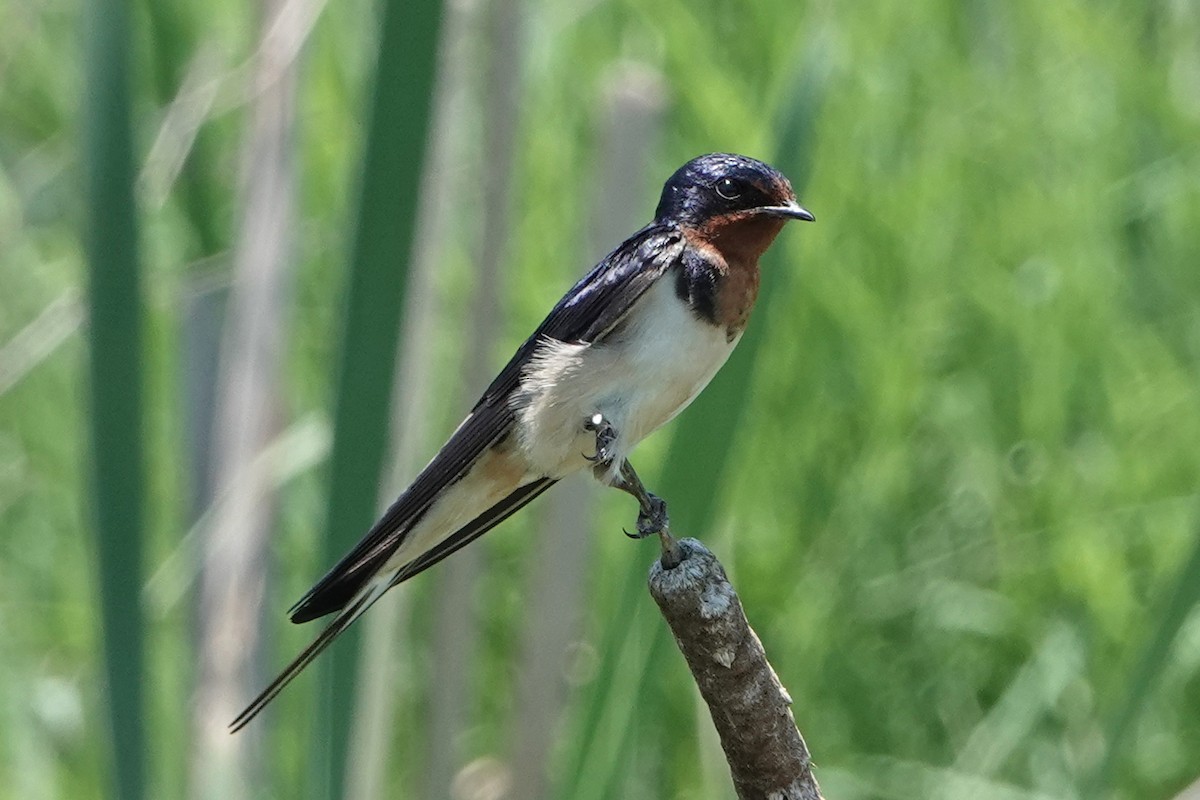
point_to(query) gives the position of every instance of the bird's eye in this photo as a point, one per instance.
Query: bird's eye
(729, 189)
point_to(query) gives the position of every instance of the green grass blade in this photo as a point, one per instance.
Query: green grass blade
(173, 35)
(114, 299)
(1183, 597)
(394, 153)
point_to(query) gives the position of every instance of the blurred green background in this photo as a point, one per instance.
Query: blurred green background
(952, 470)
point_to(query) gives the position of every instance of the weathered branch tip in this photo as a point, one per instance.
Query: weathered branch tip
(750, 708)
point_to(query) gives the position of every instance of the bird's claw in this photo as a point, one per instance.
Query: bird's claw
(652, 518)
(606, 434)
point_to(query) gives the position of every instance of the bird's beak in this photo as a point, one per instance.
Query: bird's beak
(791, 210)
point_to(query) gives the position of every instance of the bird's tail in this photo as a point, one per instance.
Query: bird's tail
(379, 582)
(365, 599)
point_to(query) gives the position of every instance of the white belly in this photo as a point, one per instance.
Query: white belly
(638, 378)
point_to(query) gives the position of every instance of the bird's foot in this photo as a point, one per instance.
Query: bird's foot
(652, 517)
(653, 521)
(606, 434)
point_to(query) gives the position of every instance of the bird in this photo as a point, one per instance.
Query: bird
(625, 350)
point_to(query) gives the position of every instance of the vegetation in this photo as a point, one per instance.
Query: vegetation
(952, 470)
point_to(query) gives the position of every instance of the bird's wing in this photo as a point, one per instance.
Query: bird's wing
(590, 309)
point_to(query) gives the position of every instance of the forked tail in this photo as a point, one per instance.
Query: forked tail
(380, 583)
(335, 628)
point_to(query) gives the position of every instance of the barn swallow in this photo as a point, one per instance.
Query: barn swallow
(629, 347)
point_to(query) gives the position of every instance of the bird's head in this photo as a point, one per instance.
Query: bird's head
(721, 189)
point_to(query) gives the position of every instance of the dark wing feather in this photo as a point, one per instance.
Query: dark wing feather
(590, 309)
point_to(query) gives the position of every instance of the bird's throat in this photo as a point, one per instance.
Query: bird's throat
(741, 238)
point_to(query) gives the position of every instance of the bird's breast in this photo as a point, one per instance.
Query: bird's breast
(643, 373)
